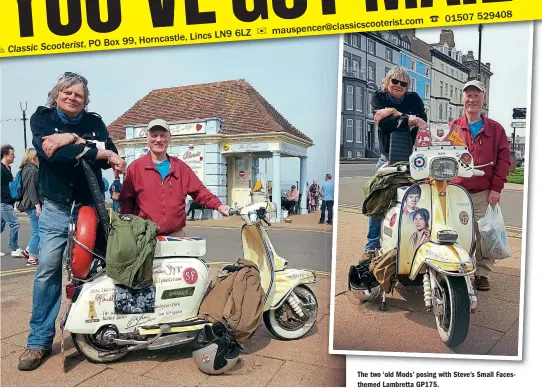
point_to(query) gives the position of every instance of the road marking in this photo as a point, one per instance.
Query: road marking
(211, 263)
(267, 229)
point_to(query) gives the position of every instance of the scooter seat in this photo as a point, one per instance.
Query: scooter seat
(180, 247)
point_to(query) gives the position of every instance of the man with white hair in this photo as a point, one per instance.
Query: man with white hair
(487, 142)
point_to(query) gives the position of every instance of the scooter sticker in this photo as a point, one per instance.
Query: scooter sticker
(190, 275)
(464, 217)
(134, 301)
(205, 358)
(92, 316)
(419, 162)
(393, 219)
(423, 139)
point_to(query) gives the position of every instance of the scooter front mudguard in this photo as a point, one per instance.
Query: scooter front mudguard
(285, 281)
(449, 259)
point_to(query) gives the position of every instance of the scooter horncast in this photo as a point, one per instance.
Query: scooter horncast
(108, 321)
(431, 224)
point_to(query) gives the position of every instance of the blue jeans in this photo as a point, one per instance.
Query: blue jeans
(116, 206)
(33, 244)
(9, 217)
(375, 223)
(53, 235)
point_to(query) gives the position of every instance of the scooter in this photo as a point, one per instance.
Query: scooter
(108, 321)
(432, 226)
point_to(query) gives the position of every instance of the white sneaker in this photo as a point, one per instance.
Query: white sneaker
(17, 253)
(2, 254)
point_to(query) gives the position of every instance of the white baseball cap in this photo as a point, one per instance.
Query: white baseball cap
(475, 83)
(158, 123)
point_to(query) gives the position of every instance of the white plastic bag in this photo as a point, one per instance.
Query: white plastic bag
(494, 241)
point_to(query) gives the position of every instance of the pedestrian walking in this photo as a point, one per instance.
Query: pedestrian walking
(7, 202)
(30, 202)
(328, 195)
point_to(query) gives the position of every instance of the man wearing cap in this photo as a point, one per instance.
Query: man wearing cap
(156, 185)
(487, 142)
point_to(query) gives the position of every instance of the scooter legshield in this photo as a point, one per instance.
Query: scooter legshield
(286, 281)
(450, 259)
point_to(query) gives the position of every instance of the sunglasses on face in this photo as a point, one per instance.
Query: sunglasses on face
(75, 75)
(397, 82)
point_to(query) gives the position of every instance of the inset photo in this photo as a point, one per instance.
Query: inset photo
(429, 245)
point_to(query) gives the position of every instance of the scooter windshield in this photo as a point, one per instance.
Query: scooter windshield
(441, 135)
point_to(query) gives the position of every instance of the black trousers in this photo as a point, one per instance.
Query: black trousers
(329, 206)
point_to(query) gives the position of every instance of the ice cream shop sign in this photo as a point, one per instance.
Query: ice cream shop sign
(194, 128)
(194, 158)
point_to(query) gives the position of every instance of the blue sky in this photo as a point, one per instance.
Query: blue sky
(297, 76)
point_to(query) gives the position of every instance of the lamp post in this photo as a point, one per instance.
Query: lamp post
(479, 75)
(24, 120)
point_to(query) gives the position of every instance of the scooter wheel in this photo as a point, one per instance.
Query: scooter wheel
(295, 328)
(90, 349)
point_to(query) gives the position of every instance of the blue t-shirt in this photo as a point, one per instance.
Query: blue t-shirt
(163, 168)
(476, 127)
(328, 188)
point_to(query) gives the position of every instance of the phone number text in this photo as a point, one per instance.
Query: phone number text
(464, 17)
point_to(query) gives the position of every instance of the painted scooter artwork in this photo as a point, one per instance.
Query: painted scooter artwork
(432, 226)
(107, 321)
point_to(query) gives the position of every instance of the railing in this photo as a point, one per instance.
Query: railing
(354, 72)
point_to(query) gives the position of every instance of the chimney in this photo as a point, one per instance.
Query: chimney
(488, 65)
(447, 35)
(469, 56)
(410, 33)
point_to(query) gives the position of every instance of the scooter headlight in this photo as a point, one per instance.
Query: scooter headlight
(443, 169)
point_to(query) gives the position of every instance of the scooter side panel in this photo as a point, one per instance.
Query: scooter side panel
(460, 216)
(257, 248)
(450, 258)
(286, 280)
(179, 287)
(414, 224)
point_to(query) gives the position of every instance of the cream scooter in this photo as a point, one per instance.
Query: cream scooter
(107, 321)
(432, 226)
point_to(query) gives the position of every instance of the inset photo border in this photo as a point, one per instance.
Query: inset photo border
(438, 64)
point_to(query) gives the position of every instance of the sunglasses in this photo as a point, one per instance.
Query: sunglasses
(74, 75)
(397, 82)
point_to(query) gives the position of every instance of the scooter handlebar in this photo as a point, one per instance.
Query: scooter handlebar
(392, 170)
(476, 172)
(233, 212)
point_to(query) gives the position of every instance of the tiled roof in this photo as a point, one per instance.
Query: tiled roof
(242, 109)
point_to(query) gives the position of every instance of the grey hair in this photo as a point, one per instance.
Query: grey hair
(66, 81)
(395, 72)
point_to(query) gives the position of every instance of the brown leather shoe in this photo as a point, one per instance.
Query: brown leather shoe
(481, 283)
(32, 358)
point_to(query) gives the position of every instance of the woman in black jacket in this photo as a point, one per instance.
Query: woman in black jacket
(30, 202)
(395, 109)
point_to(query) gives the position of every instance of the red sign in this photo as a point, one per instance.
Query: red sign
(241, 174)
(464, 217)
(190, 275)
